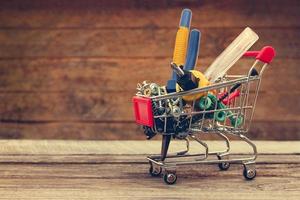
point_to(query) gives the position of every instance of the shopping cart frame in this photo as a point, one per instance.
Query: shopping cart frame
(168, 166)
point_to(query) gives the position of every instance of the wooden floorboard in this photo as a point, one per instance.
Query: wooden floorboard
(132, 182)
(133, 147)
(56, 169)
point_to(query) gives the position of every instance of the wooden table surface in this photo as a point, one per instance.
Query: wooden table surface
(59, 169)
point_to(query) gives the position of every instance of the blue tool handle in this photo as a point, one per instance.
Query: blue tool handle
(193, 50)
(174, 75)
(171, 86)
(185, 20)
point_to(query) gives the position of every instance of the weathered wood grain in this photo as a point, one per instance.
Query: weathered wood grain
(261, 130)
(71, 173)
(116, 106)
(72, 130)
(62, 63)
(133, 43)
(113, 74)
(56, 159)
(111, 189)
(130, 172)
(207, 184)
(147, 14)
(136, 149)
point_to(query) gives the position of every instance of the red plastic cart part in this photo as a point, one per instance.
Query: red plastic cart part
(143, 110)
(265, 55)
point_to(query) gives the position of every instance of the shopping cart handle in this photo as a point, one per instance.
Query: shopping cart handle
(265, 55)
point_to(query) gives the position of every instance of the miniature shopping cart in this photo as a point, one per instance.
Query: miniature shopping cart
(223, 108)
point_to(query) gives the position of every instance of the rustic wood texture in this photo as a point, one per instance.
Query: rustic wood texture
(56, 169)
(125, 130)
(126, 43)
(68, 70)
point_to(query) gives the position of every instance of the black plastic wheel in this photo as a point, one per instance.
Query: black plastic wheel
(154, 171)
(249, 174)
(224, 166)
(170, 178)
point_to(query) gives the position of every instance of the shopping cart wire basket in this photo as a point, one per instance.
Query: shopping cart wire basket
(225, 107)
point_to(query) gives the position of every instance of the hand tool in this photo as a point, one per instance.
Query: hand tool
(231, 55)
(193, 50)
(185, 79)
(181, 43)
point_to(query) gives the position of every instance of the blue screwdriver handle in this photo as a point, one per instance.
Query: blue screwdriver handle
(193, 50)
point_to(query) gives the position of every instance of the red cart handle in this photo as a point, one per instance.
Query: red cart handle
(265, 55)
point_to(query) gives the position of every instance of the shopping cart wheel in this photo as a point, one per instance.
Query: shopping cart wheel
(224, 165)
(249, 173)
(170, 178)
(154, 171)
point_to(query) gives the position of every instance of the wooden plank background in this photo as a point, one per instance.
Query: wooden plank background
(68, 69)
